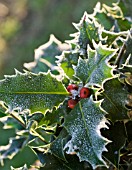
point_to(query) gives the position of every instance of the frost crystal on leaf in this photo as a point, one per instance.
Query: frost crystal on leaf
(30, 91)
(95, 69)
(83, 124)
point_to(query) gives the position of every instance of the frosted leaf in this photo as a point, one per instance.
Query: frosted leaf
(109, 37)
(57, 145)
(83, 124)
(88, 29)
(45, 57)
(67, 60)
(95, 69)
(14, 146)
(30, 91)
(21, 168)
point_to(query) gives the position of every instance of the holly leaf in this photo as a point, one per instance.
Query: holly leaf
(96, 68)
(109, 37)
(115, 97)
(45, 56)
(83, 124)
(115, 12)
(55, 117)
(88, 30)
(56, 147)
(103, 19)
(67, 60)
(126, 8)
(14, 146)
(36, 117)
(36, 92)
(113, 17)
(9, 123)
(20, 168)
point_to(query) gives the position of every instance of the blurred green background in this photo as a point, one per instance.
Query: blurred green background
(24, 26)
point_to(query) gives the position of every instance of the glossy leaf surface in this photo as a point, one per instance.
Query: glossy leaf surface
(83, 124)
(30, 91)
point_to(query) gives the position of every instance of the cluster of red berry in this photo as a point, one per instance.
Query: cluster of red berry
(77, 94)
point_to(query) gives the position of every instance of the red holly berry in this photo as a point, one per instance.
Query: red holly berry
(84, 92)
(72, 87)
(72, 103)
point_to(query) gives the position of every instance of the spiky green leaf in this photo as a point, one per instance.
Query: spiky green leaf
(109, 37)
(55, 117)
(10, 122)
(67, 60)
(30, 91)
(14, 146)
(88, 30)
(45, 56)
(83, 124)
(20, 168)
(57, 145)
(96, 68)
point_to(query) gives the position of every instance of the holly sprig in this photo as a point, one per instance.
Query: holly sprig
(73, 105)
